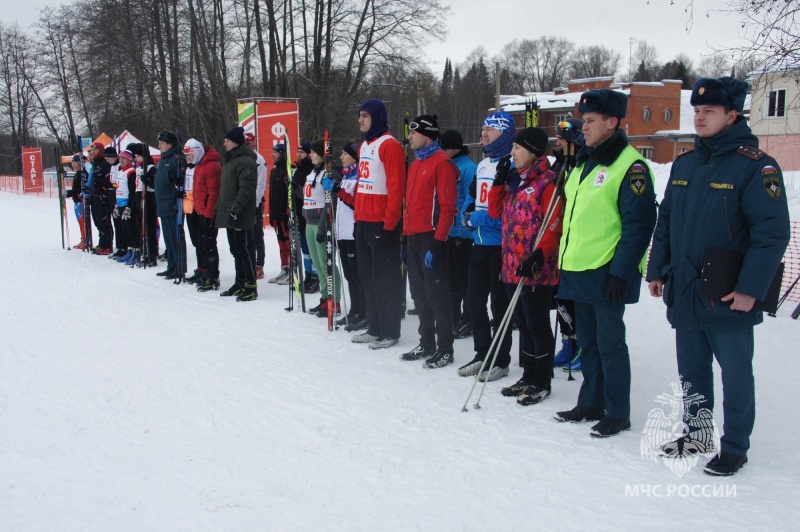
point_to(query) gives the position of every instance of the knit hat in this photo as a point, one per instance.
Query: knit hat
(194, 147)
(353, 148)
(503, 122)
(725, 91)
(427, 125)
(571, 130)
(532, 139)
(451, 140)
(500, 120)
(318, 147)
(306, 147)
(280, 149)
(125, 154)
(169, 137)
(605, 102)
(236, 135)
(379, 115)
(250, 139)
(110, 152)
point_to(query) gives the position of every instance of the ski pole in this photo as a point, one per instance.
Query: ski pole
(784, 296)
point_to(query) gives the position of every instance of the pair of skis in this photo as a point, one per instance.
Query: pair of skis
(295, 250)
(330, 254)
(62, 201)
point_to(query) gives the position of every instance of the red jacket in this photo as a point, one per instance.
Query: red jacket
(431, 194)
(206, 182)
(385, 208)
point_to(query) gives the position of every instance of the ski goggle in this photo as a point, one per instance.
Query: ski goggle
(564, 125)
(414, 126)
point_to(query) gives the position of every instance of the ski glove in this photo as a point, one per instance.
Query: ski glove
(232, 217)
(435, 256)
(329, 184)
(386, 238)
(181, 193)
(532, 264)
(116, 212)
(616, 289)
(320, 238)
(126, 214)
(465, 221)
(502, 172)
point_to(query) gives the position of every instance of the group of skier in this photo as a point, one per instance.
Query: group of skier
(516, 235)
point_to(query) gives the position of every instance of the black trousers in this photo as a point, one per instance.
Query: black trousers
(484, 285)
(536, 343)
(459, 251)
(239, 242)
(208, 236)
(121, 235)
(430, 294)
(379, 268)
(257, 251)
(102, 220)
(147, 223)
(193, 223)
(347, 252)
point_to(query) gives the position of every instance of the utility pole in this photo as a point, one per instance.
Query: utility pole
(497, 86)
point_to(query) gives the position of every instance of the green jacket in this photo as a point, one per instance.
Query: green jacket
(238, 189)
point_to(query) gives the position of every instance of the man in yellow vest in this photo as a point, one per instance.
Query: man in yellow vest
(609, 215)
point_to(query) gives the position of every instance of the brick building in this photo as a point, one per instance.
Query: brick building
(654, 122)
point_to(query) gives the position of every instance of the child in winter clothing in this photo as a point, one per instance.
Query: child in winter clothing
(522, 197)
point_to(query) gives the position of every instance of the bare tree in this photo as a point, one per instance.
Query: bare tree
(594, 61)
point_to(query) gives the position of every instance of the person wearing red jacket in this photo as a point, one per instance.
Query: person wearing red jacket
(205, 191)
(522, 197)
(379, 208)
(431, 196)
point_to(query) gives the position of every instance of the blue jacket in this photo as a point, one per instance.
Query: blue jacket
(167, 180)
(488, 230)
(638, 214)
(466, 170)
(726, 193)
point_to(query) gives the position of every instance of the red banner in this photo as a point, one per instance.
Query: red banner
(32, 176)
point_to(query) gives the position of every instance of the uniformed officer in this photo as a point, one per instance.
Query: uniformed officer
(610, 212)
(726, 194)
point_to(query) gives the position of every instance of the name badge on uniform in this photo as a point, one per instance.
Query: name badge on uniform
(601, 176)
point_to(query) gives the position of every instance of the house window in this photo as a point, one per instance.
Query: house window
(647, 152)
(667, 116)
(776, 103)
(646, 114)
(684, 149)
(561, 118)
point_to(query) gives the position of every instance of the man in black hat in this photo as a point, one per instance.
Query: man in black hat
(459, 243)
(169, 190)
(431, 195)
(112, 158)
(725, 194)
(609, 217)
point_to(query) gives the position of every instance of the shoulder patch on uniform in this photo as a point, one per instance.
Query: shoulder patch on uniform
(772, 186)
(637, 168)
(638, 183)
(752, 152)
(679, 183)
(769, 170)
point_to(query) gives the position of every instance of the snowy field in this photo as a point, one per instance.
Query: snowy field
(128, 403)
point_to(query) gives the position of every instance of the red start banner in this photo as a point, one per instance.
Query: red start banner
(32, 177)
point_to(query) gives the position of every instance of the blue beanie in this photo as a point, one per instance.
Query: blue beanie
(379, 115)
(280, 149)
(503, 122)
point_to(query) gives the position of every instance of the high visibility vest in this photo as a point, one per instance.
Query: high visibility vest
(592, 222)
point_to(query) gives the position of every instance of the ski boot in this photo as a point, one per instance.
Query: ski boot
(249, 293)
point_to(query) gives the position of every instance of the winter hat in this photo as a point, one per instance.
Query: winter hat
(604, 101)
(250, 139)
(280, 149)
(306, 147)
(571, 130)
(169, 137)
(427, 125)
(353, 148)
(451, 140)
(194, 147)
(125, 154)
(503, 122)
(318, 147)
(725, 91)
(379, 115)
(110, 152)
(236, 135)
(532, 139)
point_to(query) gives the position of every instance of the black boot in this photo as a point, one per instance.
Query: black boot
(210, 282)
(234, 290)
(197, 277)
(250, 292)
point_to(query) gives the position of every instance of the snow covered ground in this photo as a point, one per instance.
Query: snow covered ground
(130, 403)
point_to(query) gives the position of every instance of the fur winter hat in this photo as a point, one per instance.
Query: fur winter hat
(604, 101)
(725, 91)
(169, 137)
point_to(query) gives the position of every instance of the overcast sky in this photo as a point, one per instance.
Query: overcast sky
(493, 23)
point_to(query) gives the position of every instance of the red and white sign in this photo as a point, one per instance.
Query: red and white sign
(32, 177)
